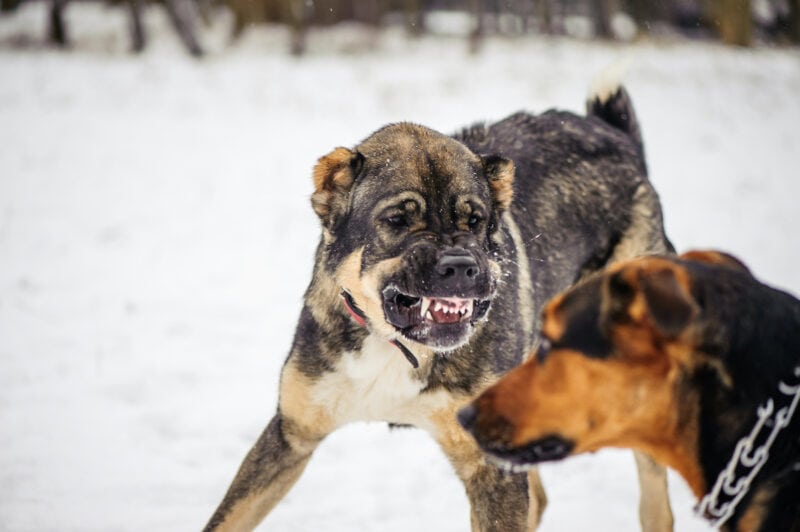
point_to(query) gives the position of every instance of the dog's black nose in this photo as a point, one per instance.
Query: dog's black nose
(467, 416)
(457, 267)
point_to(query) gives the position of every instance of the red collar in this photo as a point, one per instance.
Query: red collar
(361, 319)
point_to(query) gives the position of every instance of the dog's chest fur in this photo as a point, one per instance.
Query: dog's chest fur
(377, 383)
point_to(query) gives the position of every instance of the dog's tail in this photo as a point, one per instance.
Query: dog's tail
(609, 101)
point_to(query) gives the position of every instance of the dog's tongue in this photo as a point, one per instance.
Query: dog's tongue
(446, 310)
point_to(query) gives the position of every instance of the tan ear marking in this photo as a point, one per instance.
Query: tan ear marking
(500, 172)
(333, 170)
(553, 325)
(717, 258)
(333, 177)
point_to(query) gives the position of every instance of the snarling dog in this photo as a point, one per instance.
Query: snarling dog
(690, 359)
(436, 255)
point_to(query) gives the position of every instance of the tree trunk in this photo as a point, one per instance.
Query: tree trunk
(734, 21)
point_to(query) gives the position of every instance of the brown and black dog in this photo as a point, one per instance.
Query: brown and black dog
(689, 359)
(435, 258)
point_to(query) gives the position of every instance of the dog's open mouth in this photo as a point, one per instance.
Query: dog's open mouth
(439, 310)
(438, 321)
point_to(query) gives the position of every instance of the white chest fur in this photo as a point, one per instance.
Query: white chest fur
(376, 384)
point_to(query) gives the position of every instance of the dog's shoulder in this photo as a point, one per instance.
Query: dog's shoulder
(746, 320)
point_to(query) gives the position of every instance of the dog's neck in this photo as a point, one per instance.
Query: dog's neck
(361, 318)
(762, 463)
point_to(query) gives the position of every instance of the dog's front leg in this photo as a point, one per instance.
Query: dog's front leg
(500, 501)
(271, 467)
(279, 456)
(504, 501)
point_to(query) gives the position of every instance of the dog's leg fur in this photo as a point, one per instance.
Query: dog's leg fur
(271, 467)
(499, 501)
(655, 514)
(277, 459)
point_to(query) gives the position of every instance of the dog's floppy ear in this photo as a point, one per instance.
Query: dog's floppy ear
(638, 293)
(500, 173)
(716, 258)
(670, 306)
(334, 176)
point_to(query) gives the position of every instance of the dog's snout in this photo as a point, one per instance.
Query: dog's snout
(457, 266)
(467, 416)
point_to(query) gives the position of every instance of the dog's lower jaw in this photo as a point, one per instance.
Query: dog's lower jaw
(442, 350)
(523, 458)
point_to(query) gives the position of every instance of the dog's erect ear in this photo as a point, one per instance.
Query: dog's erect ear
(717, 258)
(670, 306)
(500, 173)
(334, 176)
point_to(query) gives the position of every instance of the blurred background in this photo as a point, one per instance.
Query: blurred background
(736, 22)
(156, 235)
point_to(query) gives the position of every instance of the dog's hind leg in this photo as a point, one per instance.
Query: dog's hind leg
(655, 514)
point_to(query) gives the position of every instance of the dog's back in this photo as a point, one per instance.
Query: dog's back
(582, 198)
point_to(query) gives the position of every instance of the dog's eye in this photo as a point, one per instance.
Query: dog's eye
(543, 350)
(396, 221)
(474, 221)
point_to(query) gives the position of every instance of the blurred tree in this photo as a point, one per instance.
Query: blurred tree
(790, 23)
(479, 28)
(645, 13)
(733, 20)
(601, 15)
(8, 5)
(57, 29)
(182, 14)
(415, 17)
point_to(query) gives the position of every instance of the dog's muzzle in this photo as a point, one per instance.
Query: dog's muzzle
(437, 296)
(493, 438)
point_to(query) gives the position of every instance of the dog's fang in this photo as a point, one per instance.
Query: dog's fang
(426, 303)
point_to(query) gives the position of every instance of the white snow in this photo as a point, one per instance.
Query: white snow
(156, 238)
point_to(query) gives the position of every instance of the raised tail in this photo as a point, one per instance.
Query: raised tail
(610, 102)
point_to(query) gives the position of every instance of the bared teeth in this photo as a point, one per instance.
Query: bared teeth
(446, 306)
(426, 303)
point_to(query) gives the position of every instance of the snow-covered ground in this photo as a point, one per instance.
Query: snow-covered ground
(156, 238)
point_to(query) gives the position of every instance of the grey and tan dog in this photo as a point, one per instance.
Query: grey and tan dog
(436, 256)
